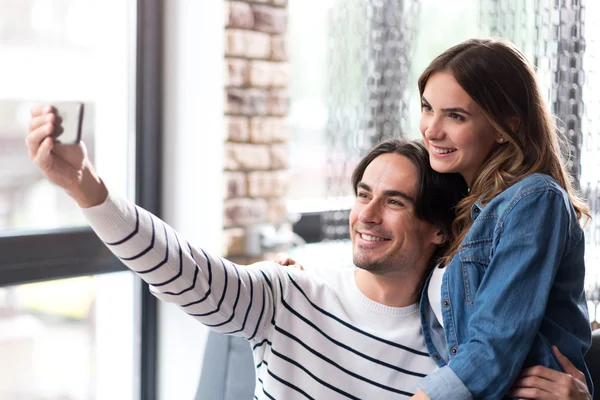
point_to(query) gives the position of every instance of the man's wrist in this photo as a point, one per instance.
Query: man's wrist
(91, 190)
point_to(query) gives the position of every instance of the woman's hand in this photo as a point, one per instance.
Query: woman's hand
(67, 166)
(547, 384)
(286, 261)
(420, 395)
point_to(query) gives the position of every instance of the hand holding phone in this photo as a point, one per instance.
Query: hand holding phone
(69, 119)
(67, 166)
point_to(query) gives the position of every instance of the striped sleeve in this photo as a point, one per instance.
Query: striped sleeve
(226, 297)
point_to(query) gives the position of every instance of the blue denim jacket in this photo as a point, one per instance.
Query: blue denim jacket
(515, 288)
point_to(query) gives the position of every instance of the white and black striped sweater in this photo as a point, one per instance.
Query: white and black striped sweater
(314, 334)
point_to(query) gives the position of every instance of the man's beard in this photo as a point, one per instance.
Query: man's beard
(375, 267)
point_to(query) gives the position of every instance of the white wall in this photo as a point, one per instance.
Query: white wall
(193, 165)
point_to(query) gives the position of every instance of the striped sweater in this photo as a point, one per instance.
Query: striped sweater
(314, 334)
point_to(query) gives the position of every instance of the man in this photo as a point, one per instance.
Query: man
(333, 333)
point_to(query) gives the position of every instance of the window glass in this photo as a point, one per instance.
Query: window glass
(69, 339)
(62, 50)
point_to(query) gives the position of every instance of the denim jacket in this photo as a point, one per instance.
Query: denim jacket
(514, 289)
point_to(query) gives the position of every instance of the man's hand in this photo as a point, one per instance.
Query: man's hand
(67, 166)
(547, 384)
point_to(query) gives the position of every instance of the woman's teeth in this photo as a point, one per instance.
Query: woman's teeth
(442, 151)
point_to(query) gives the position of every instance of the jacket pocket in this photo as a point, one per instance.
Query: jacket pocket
(474, 256)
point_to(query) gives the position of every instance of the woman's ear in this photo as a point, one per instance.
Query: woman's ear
(513, 124)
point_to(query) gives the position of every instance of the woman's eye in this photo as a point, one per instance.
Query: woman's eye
(456, 116)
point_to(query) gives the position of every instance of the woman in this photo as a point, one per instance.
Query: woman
(512, 284)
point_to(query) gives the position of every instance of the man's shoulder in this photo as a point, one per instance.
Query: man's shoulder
(320, 276)
(312, 275)
(335, 276)
(320, 282)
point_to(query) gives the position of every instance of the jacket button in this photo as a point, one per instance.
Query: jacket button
(453, 350)
(446, 303)
(436, 357)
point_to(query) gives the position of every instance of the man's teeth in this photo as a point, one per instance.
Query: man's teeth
(443, 151)
(371, 238)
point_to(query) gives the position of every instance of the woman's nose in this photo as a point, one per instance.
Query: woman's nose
(434, 129)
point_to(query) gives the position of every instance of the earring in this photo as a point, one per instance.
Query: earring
(501, 139)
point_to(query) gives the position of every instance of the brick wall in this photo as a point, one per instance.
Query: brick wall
(256, 108)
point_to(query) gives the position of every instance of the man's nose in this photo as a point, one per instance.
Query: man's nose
(371, 213)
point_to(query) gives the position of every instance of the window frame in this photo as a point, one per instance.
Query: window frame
(148, 171)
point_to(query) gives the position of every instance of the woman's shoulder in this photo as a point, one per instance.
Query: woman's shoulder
(539, 188)
(532, 184)
(535, 194)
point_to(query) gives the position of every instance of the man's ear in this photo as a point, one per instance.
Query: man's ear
(440, 237)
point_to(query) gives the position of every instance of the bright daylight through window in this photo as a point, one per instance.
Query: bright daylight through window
(68, 339)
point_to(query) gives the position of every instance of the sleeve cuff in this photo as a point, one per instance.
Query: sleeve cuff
(444, 384)
(110, 219)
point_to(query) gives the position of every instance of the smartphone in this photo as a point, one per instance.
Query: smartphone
(70, 119)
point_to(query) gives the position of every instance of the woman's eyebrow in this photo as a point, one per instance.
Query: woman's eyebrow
(451, 109)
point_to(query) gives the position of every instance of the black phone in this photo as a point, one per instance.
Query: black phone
(68, 122)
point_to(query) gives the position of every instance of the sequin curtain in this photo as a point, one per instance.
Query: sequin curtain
(370, 52)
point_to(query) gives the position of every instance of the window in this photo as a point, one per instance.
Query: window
(308, 30)
(64, 299)
(454, 22)
(53, 51)
(68, 339)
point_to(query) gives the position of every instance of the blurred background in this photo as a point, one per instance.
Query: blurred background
(239, 123)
